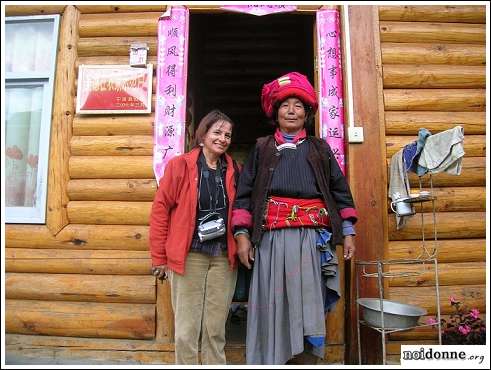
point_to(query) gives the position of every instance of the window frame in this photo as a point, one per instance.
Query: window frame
(36, 214)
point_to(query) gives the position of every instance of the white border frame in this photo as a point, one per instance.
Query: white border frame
(37, 214)
(149, 71)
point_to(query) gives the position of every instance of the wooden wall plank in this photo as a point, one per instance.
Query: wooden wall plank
(61, 124)
(121, 8)
(112, 145)
(19, 10)
(453, 250)
(421, 76)
(474, 145)
(471, 295)
(114, 46)
(432, 32)
(433, 53)
(465, 273)
(56, 261)
(78, 287)
(453, 199)
(111, 167)
(113, 125)
(119, 25)
(458, 100)
(408, 123)
(114, 59)
(80, 319)
(79, 236)
(450, 225)
(109, 212)
(433, 13)
(369, 191)
(112, 189)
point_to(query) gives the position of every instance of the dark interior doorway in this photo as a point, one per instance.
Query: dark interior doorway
(232, 55)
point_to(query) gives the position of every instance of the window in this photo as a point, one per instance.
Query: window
(30, 58)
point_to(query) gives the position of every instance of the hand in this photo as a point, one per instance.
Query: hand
(349, 247)
(161, 272)
(245, 250)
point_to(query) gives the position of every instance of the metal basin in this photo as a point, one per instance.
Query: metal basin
(396, 315)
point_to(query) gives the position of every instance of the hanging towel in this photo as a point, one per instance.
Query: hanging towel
(443, 152)
(399, 183)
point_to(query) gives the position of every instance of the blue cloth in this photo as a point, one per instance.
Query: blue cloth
(348, 228)
(423, 134)
(408, 154)
(328, 267)
(316, 341)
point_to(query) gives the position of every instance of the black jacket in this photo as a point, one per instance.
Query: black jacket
(255, 180)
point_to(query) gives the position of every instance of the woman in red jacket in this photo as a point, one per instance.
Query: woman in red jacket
(191, 240)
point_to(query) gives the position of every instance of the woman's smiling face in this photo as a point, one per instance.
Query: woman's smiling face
(291, 115)
(218, 137)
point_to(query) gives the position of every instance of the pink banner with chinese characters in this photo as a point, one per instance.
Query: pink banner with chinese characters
(331, 108)
(260, 9)
(170, 106)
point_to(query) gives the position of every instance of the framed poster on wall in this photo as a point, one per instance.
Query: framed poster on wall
(111, 89)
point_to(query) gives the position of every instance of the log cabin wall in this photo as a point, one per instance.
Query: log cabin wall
(83, 279)
(433, 60)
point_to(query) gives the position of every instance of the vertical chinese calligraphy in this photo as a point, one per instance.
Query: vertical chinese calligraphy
(331, 108)
(170, 109)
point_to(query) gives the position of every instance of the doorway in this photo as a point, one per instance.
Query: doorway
(232, 55)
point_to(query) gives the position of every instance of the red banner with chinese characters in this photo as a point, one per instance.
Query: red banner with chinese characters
(114, 89)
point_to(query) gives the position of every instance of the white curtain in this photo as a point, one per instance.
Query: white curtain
(23, 116)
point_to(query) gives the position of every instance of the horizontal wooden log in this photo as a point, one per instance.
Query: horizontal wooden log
(114, 59)
(451, 54)
(473, 174)
(474, 145)
(423, 333)
(56, 261)
(113, 46)
(458, 100)
(433, 13)
(80, 319)
(105, 344)
(408, 76)
(457, 199)
(432, 32)
(450, 225)
(109, 212)
(119, 25)
(394, 347)
(425, 297)
(113, 125)
(112, 145)
(452, 250)
(409, 123)
(78, 237)
(112, 189)
(87, 9)
(17, 10)
(77, 288)
(111, 167)
(465, 273)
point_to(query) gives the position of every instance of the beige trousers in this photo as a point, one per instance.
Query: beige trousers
(201, 300)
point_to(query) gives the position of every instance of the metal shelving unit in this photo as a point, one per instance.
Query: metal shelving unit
(427, 256)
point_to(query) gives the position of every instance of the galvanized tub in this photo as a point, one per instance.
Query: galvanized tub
(396, 315)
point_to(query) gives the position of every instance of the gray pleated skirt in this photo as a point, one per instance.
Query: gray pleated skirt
(285, 297)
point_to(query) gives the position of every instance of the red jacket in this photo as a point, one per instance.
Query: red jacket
(173, 217)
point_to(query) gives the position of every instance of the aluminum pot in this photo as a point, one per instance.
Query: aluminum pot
(396, 315)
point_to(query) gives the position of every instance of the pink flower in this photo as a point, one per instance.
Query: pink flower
(464, 329)
(474, 313)
(431, 321)
(453, 300)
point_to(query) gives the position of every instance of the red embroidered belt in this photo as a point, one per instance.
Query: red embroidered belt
(294, 212)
